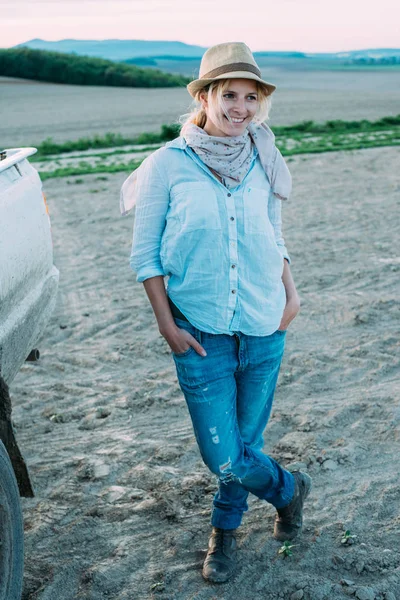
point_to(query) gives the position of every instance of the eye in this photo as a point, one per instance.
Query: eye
(252, 97)
(228, 95)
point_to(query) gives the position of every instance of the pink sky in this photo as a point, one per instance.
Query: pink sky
(304, 25)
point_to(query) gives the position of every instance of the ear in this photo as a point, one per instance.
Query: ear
(203, 100)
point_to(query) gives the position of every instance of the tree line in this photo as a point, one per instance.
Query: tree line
(57, 67)
(384, 60)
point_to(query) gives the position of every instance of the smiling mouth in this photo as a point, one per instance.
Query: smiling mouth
(236, 121)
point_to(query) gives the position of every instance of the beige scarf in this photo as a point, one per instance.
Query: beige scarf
(230, 158)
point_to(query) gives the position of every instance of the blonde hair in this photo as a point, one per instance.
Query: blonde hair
(215, 92)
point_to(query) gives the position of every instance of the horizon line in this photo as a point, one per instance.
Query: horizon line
(190, 45)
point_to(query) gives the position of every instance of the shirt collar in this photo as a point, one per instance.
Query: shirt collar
(178, 142)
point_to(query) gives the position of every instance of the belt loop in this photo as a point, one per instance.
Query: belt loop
(198, 332)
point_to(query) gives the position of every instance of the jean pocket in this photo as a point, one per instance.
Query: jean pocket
(187, 326)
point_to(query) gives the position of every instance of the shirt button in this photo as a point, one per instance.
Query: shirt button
(233, 291)
(232, 218)
(233, 266)
(229, 195)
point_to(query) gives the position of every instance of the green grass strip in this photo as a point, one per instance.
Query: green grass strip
(89, 170)
(169, 132)
(338, 126)
(316, 147)
(109, 140)
(104, 155)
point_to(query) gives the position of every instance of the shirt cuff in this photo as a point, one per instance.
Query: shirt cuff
(147, 272)
(285, 253)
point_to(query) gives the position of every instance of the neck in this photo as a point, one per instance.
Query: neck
(212, 130)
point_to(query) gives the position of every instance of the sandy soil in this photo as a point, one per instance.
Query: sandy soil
(122, 498)
(67, 112)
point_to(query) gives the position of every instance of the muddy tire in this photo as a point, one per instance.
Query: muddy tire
(11, 532)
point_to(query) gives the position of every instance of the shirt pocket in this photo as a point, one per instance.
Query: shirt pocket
(195, 204)
(255, 208)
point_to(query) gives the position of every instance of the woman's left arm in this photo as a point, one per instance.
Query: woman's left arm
(292, 298)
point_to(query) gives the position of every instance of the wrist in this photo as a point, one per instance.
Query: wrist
(167, 329)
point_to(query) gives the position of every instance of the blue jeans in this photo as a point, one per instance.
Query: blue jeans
(229, 394)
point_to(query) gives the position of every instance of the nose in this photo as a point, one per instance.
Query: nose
(240, 106)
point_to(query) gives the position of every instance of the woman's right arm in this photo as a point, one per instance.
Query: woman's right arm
(152, 194)
(178, 339)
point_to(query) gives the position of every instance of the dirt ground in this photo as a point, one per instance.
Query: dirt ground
(123, 500)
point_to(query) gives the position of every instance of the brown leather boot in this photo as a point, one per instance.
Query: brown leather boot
(220, 562)
(289, 520)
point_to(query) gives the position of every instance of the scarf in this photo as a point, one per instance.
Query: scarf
(230, 158)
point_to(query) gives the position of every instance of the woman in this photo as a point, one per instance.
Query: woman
(208, 215)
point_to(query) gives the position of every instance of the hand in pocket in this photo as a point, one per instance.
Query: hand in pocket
(180, 340)
(291, 310)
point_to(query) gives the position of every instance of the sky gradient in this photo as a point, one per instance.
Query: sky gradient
(303, 25)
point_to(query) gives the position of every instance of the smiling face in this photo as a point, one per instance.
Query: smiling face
(238, 106)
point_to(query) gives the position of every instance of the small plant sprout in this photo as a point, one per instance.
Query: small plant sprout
(347, 537)
(286, 549)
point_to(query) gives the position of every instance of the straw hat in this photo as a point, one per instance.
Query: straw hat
(232, 60)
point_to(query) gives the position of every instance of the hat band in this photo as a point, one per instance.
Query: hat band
(231, 68)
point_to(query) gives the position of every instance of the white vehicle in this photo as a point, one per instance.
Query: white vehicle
(28, 288)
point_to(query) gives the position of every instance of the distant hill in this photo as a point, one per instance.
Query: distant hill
(280, 55)
(369, 53)
(117, 49)
(153, 58)
(184, 59)
(122, 50)
(365, 53)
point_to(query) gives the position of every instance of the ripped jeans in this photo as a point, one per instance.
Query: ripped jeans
(229, 394)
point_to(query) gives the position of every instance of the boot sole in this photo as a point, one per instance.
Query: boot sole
(218, 579)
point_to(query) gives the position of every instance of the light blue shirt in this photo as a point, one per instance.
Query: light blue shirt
(221, 249)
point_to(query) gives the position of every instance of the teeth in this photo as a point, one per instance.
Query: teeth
(238, 120)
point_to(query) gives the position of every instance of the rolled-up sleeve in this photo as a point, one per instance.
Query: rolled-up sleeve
(275, 217)
(151, 207)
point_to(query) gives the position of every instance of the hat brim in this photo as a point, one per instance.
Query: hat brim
(194, 86)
